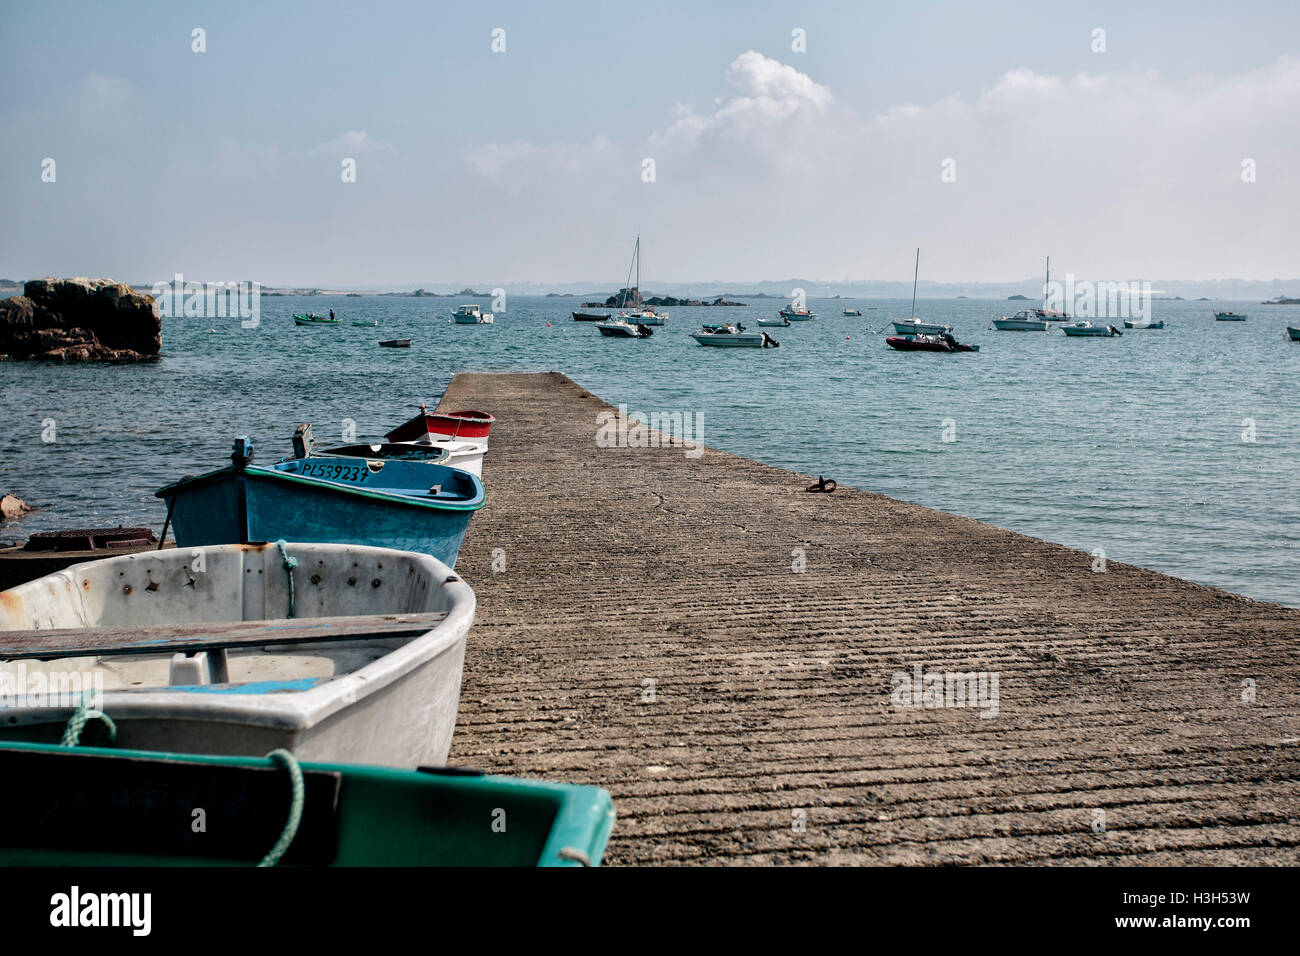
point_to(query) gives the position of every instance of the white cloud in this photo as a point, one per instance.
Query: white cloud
(353, 143)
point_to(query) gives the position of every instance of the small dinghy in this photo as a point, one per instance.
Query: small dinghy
(928, 343)
(91, 806)
(1293, 332)
(396, 343)
(468, 425)
(1130, 324)
(331, 651)
(1230, 316)
(466, 455)
(408, 505)
(775, 323)
(852, 311)
(1088, 329)
(314, 319)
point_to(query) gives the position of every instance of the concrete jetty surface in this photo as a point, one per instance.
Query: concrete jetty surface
(649, 634)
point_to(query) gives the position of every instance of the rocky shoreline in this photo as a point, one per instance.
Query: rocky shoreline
(79, 320)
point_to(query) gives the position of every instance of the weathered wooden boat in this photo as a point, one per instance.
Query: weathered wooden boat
(395, 343)
(1293, 332)
(92, 806)
(408, 505)
(1230, 316)
(1088, 329)
(313, 319)
(943, 342)
(591, 317)
(1022, 321)
(330, 651)
(467, 424)
(471, 315)
(773, 323)
(731, 336)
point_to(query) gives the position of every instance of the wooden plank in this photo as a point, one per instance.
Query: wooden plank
(53, 643)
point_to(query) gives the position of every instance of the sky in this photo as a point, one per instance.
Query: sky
(826, 140)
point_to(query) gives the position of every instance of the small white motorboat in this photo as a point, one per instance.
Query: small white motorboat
(334, 652)
(1022, 321)
(775, 323)
(621, 328)
(1087, 328)
(471, 315)
(1130, 324)
(729, 336)
(797, 313)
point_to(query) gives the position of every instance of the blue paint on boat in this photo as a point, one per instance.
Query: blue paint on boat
(255, 687)
(408, 505)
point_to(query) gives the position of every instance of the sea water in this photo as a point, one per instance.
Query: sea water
(1175, 449)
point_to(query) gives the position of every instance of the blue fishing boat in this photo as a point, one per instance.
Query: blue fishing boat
(407, 505)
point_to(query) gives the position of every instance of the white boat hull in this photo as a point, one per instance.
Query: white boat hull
(474, 319)
(386, 701)
(753, 340)
(619, 330)
(921, 328)
(1020, 325)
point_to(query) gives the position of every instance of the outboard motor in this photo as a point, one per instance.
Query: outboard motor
(243, 451)
(643, 330)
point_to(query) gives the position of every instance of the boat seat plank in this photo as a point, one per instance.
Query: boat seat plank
(72, 800)
(54, 643)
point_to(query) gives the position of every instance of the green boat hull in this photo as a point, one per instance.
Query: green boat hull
(89, 806)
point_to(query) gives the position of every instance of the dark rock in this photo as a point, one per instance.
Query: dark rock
(80, 320)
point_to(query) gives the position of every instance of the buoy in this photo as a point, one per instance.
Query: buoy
(846, 338)
(548, 325)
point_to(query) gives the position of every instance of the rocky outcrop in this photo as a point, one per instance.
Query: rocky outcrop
(11, 506)
(80, 320)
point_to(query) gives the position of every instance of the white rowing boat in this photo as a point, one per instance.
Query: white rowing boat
(193, 650)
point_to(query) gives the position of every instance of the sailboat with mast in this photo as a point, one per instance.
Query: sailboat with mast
(631, 295)
(915, 326)
(1051, 315)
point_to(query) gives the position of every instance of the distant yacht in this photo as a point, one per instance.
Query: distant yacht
(915, 326)
(1051, 315)
(1229, 317)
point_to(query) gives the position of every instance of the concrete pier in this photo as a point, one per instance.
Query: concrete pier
(650, 634)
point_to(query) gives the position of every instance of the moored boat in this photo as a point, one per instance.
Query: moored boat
(621, 328)
(1130, 324)
(1022, 321)
(646, 316)
(1293, 332)
(330, 651)
(313, 319)
(731, 336)
(471, 315)
(1088, 329)
(1229, 316)
(915, 326)
(590, 317)
(452, 452)
(408, 505)
(775, 323)
(852, 311)
(466, 424)
(92, 806)
(923, 342)
(797, 313)
(395, 343)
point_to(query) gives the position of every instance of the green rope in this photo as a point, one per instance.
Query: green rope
(290, 763)
(289, 565)
(83, 713)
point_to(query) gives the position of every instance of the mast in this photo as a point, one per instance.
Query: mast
(1047, 282)
(915, 273)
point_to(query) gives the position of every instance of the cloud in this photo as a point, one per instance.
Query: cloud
(353, 143)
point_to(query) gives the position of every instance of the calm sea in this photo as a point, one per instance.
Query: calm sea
(1177, 449)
